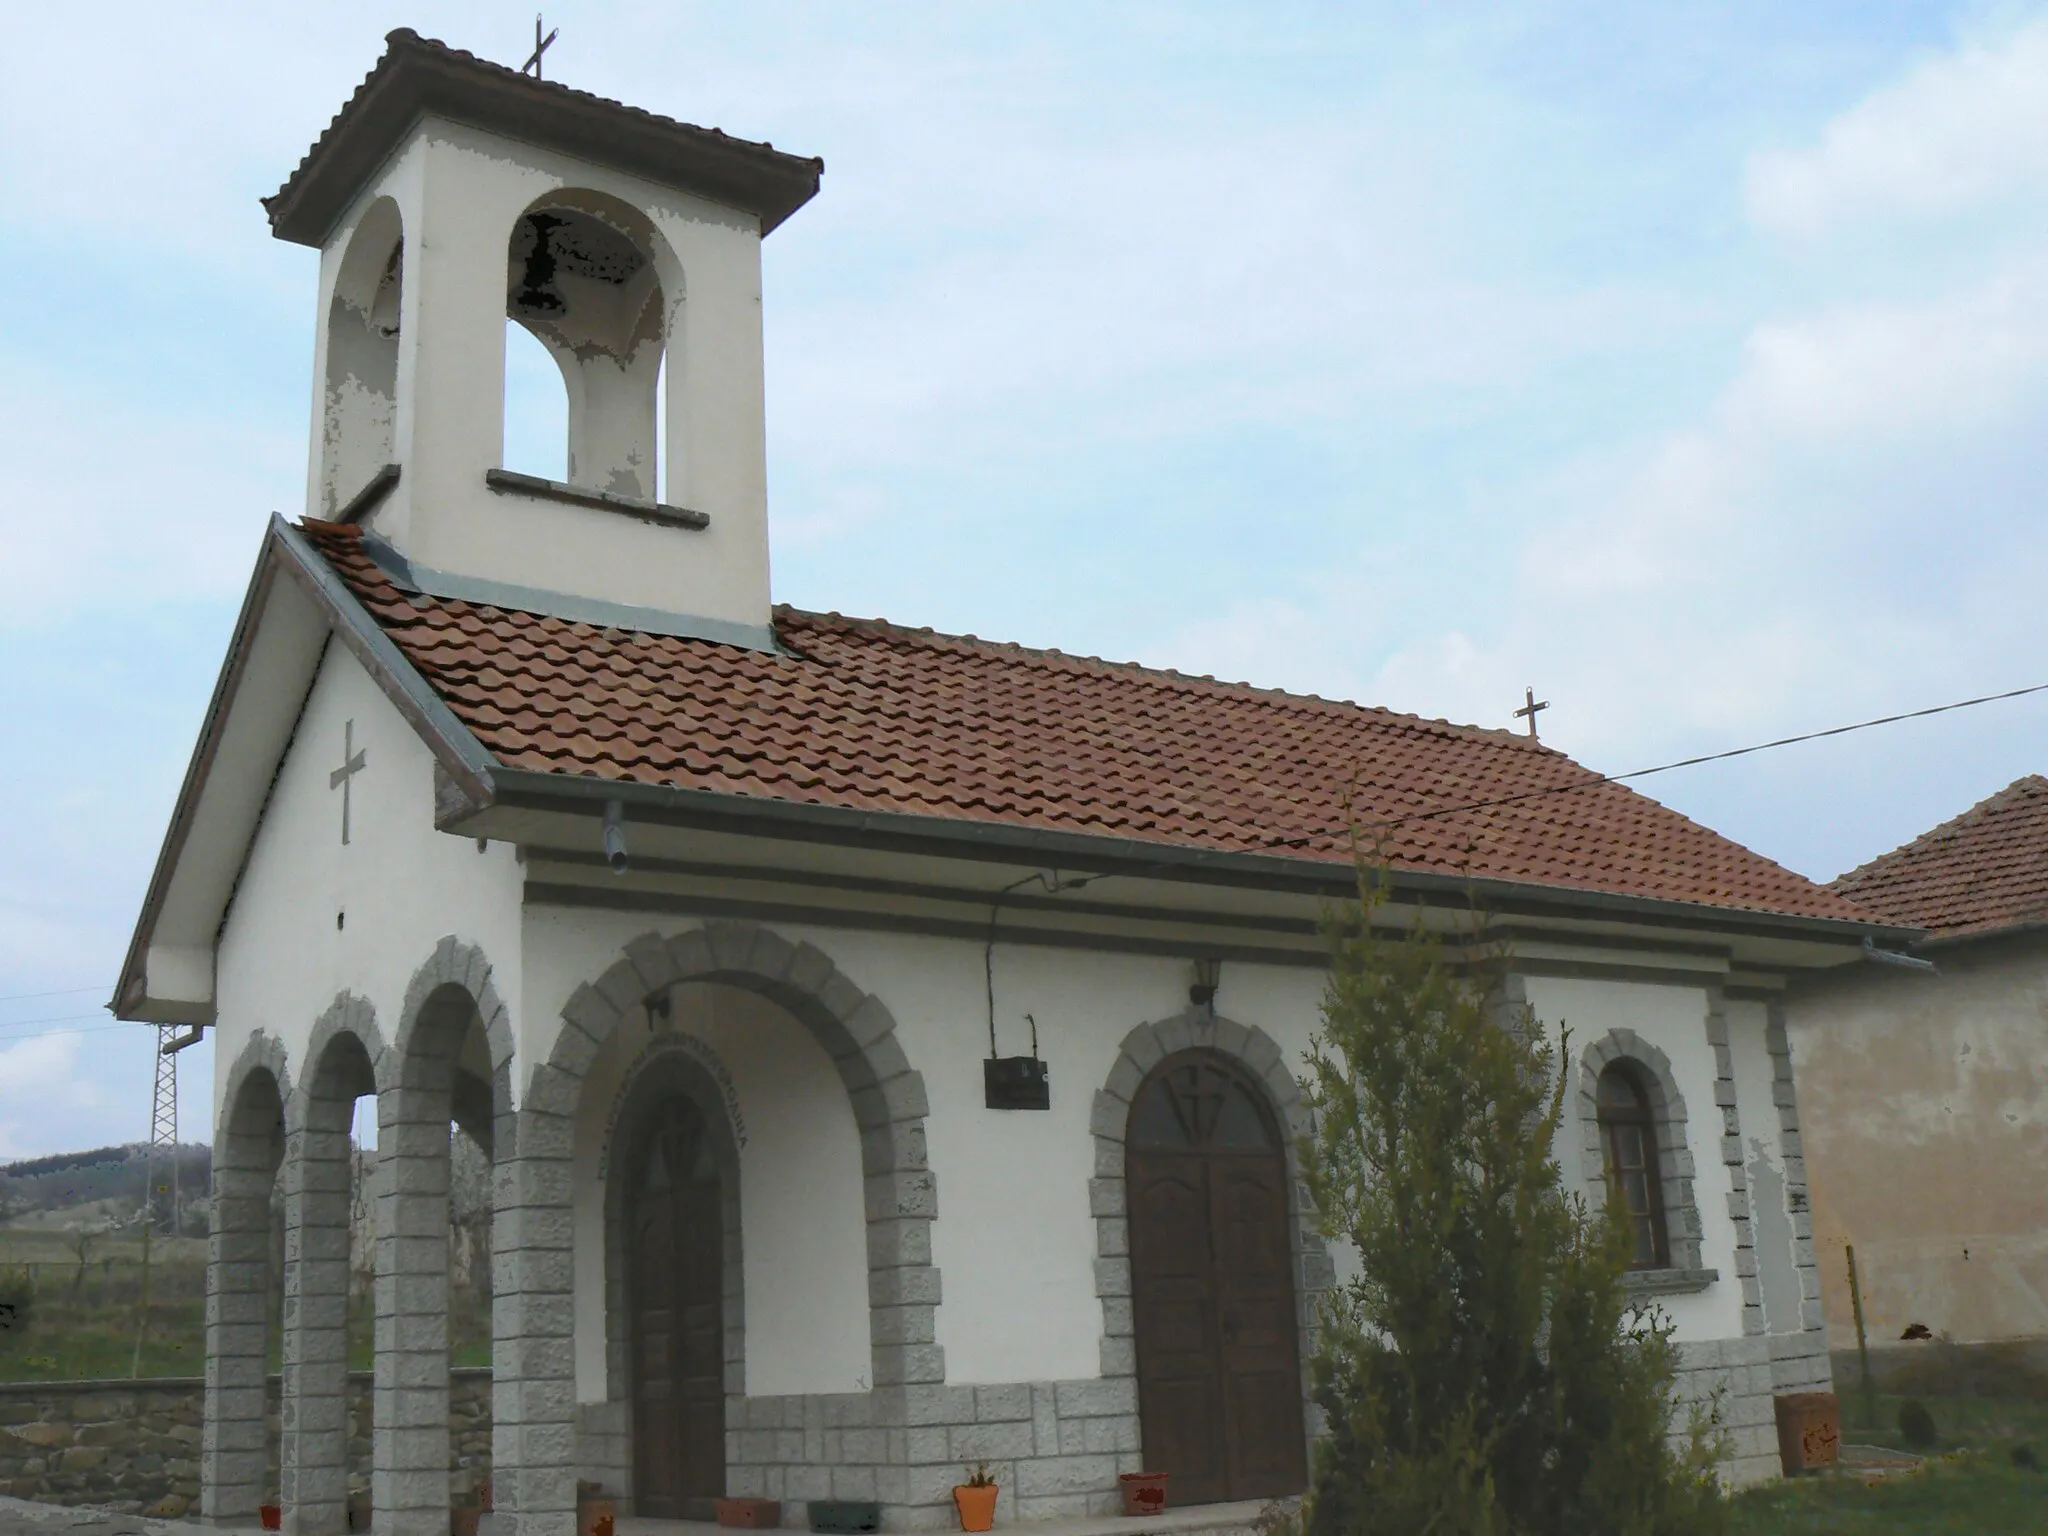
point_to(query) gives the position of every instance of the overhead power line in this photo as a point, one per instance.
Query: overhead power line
(22, 997)
(54, 1018)
(1706, 757)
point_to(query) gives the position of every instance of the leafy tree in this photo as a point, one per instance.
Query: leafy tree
(1485, 1374)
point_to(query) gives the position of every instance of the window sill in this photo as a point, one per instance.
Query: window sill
(506, 481)
(1668, 1282)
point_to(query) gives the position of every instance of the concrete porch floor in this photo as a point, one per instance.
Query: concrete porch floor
(1195, 1520)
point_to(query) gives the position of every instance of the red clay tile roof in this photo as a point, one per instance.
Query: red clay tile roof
(1985, 870)
(870, 716)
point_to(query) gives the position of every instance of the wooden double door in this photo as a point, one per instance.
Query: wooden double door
(1212, 1286)
(675, 1265)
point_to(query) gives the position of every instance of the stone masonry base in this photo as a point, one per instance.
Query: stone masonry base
(1055, 1448)
(1741, 1378)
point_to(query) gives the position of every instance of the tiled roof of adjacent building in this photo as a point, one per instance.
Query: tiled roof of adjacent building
(870, 716)
(1985, 870)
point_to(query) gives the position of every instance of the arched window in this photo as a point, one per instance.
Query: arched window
(1628, 1141)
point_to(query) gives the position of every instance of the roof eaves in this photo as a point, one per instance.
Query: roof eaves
(286, 552)
(129, 985)
(417, 76)
(1012, 842)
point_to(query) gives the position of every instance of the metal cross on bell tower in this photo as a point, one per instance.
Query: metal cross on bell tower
(540, 46)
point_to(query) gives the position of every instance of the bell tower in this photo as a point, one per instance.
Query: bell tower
(450, 195)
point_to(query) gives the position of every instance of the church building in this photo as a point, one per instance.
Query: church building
(885, 1043)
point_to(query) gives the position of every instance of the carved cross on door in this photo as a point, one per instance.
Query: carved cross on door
(352, 761)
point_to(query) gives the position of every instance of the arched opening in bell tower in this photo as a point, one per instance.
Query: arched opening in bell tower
(588, 277)
(359, 389)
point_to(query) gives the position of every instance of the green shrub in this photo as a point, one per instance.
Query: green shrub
(1916, 1426)
(1485, 1375)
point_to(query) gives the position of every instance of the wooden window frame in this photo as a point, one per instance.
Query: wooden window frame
(1647, 1122)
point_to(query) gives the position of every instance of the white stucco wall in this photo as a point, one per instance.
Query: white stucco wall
(1673, 1018)
(1763, 1155)
(398, 886)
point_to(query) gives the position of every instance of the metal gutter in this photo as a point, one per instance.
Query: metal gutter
(1003, 842)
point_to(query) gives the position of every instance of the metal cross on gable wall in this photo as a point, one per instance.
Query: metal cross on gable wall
(352, 760)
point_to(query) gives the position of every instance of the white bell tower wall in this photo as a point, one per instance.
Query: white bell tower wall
(411, 372)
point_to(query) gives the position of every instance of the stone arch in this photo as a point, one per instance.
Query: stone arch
(1674, 1154)
(1266, 1064)
(343, 1060)
(887, 1093)
(671, 1067)
(421, 1089)
(534, 1347)
(249, 1145)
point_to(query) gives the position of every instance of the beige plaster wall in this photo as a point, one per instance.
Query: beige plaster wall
(1924, 1106)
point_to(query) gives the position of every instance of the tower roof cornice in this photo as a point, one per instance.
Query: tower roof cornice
(418, 77)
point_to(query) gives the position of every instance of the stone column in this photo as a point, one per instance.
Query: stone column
(233, 1459)
(533, 1393)
(314, 1409)
(409, 1492)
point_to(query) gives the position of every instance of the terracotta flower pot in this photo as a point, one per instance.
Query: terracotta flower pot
(977, 1506)
(594, 1517)
(750, 1514)
(462, 1520)
(1809, 1431)
(272, 1516)
(1144, 1492)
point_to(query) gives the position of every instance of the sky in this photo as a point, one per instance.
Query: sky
(1687, 363)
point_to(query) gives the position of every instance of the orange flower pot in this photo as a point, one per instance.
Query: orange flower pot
(1144, 1492)
(1809, 1431)
(272, 1516)
(977, 1506)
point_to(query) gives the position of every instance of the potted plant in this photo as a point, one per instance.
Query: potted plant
(749, 1514)
(976, 1499)
(1144, 1492)
(594, 1511)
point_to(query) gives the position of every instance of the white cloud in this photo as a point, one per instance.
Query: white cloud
(1888, 368)
(40, 1086)
(1960, 130)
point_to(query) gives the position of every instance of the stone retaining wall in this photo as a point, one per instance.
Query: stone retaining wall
(133, 1446)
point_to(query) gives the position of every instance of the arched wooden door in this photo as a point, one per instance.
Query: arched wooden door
(676, 1266)
(1212, 1286)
